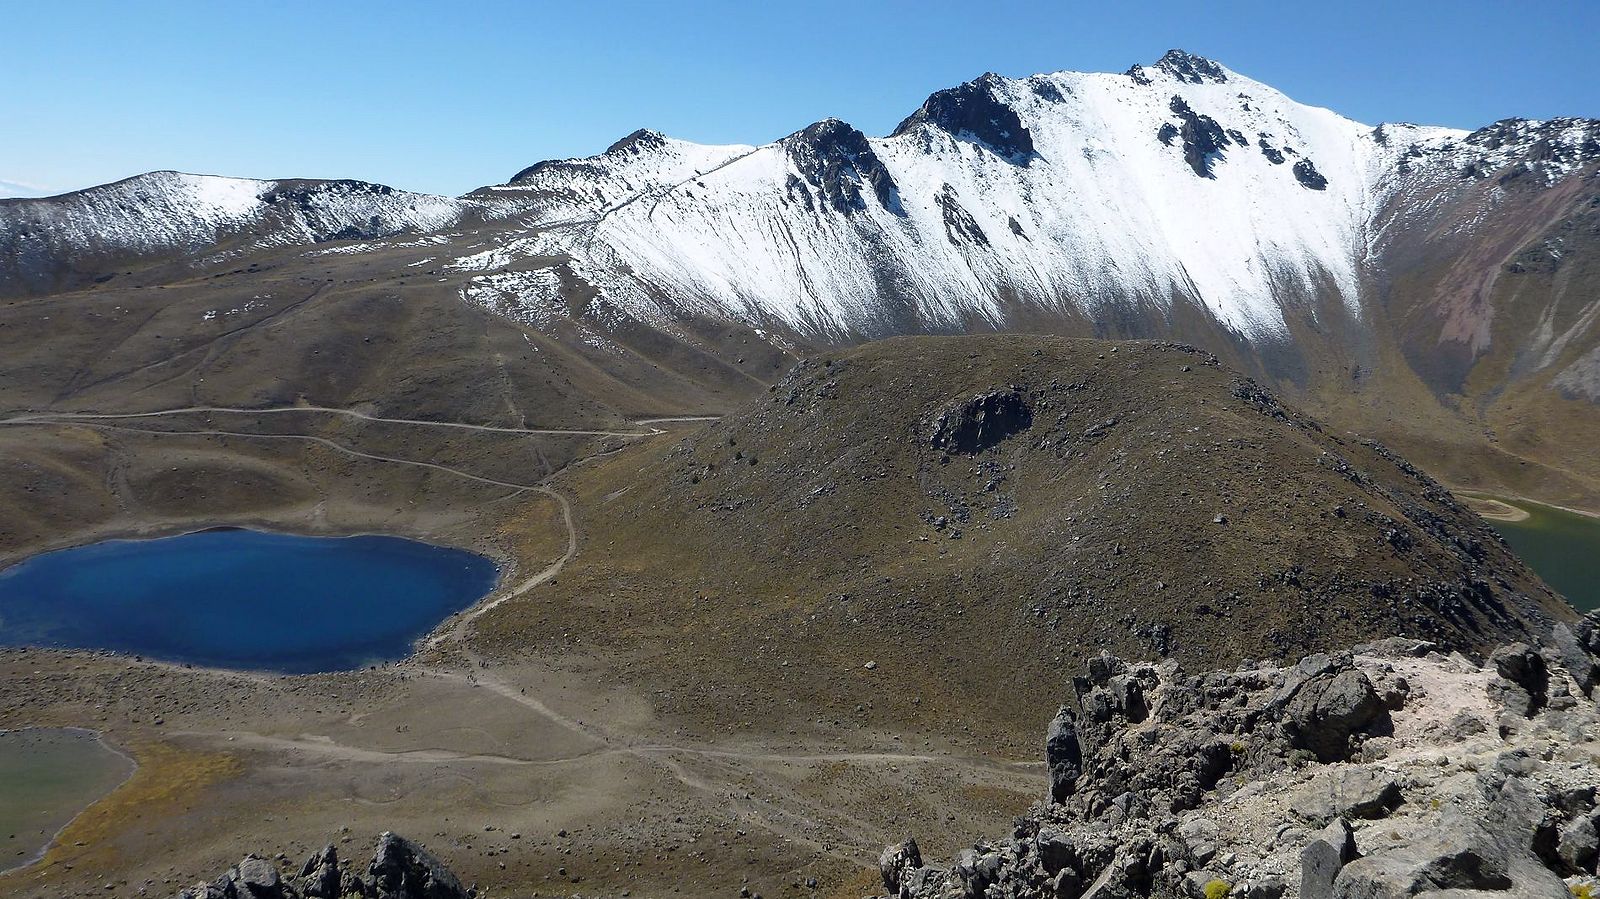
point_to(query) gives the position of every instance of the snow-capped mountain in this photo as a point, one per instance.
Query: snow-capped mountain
(164, 213)
(1080, 195)
(1422, 284)
(1179, 198)
(1064, 193)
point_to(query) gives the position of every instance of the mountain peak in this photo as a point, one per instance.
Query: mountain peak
(638, 141)
(836, 159)
(1182, 66)
(976, 111)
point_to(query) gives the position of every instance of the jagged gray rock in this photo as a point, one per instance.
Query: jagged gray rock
(400, 869)
(1215, 784)
(1328, 709)
(1348, 793)
(320, 877)
(1323, 858)
(1062, 754)
(1523, 682)
(896, 861)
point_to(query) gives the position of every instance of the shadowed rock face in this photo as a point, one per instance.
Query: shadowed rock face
(836, 160)
(959, 225)
(1306, 173)
(982, 422)
(975, 111)
(1204, 141)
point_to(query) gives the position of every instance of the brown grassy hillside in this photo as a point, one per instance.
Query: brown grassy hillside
(977, 514)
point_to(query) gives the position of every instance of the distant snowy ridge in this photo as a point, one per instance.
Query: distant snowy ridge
(175, 213)
(14, 189)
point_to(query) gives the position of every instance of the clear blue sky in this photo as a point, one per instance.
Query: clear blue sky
(445, 97)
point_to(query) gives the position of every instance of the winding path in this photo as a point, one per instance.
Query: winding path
(35, 417)
(321, 441)
(790, 820)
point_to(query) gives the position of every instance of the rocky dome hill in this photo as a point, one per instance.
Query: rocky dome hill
(976, 515)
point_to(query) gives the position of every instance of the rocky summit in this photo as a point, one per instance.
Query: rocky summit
(1389, 770)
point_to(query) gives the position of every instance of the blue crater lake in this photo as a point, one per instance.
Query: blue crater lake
(242, 599)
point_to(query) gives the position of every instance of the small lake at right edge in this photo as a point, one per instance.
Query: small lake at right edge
(1562, 547)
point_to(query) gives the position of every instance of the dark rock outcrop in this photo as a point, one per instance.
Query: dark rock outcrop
(837, 160)
(1062, 755)
(1323, 712)
(1184, 66)
(1204, 141)
(1306, 173)
(896, 861)
(1323, 858)
(959, 225)
(1522, 682)
(400, 869)
(975, 111)
(1194, 69)
(981, 422)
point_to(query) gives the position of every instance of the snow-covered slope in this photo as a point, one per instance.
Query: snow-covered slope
(1063, 194)
(644, 163)
(1180, 189)
(172, 213)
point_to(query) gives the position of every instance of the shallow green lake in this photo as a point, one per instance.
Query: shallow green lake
(47, 776)
(1563, 547)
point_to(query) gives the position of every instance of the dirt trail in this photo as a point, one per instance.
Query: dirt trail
(321, 441)
(46, 417)
(737, 778)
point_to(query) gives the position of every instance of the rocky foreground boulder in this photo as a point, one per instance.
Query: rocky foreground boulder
(1387, 771)
(400, 869)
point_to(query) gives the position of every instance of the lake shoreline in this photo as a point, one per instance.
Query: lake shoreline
(43, 851)
(1559, 543)
(1494, 509)
(1502, 498)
